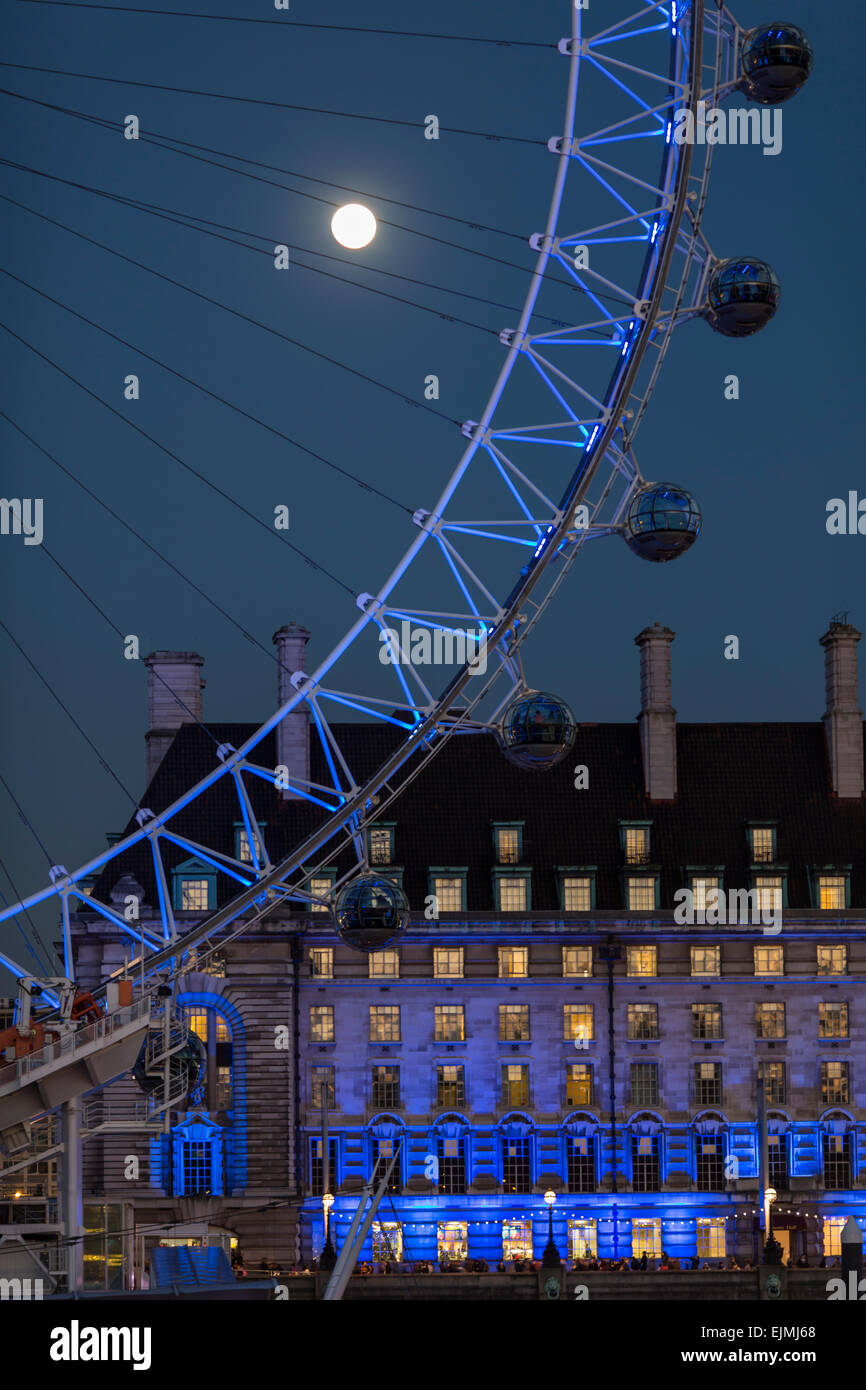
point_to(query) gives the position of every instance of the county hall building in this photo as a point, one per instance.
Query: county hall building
(554, 1027)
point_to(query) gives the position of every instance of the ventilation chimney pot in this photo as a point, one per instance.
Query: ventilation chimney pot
(657, 718)
(843, 719)
(293, 733)
(174, 686)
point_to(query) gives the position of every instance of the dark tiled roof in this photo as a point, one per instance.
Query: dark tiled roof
(727, 774)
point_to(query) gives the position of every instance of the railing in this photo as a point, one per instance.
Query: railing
(73, 1042)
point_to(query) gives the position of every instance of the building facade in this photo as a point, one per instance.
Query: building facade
(604, 966)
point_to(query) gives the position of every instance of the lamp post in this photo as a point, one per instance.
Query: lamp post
(328, 1257)
(550, 1259)
(772, 1248)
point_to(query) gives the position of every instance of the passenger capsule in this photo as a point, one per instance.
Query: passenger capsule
(537, 730)
(775, 61)
(663, 521)
(743, 296)
(371, 913)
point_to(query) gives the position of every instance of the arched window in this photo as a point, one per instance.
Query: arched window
(581, 1153)
(515, 1142)
(450, 1134)
(646, 1138)
(386, 1140)
(837, 1149)
(778, 1158)
(215, 1033)
(710, 1153)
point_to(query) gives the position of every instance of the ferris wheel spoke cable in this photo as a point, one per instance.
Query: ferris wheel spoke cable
(262, 101)
(46, 963)
(190, 220)
(246, 318)
(289, 24)
(347, 588)
(156, 138)
(214, 395)
(131, 529)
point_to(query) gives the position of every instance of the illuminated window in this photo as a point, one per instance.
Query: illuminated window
(451, 1155)
(641, 894)
(578, 1084)
(770, 1021)
(578, 1022)
(321, 1023)
(197, 1158)
(320, 887)
(448, 962)
(243, 852)
(576, 893)
(707, 1021)
(646, 1237)
(216, 1083)
(833, 1234)
(320, 1078)
(832, 960)
(507, 840)
(832, 1020)
(381, 844)
(644, 1083)
(517, 1240)
(711, 1237)
(322, 962)
(777, 1161)
(580, 1151)
(576, 961)
(513, 962)
(449, 1023)
(773, 1076)
(834, 1083)
(642, 960)
(643, 1022)
(832, 892)
(385, 1087)
(450, 892)
(387, 1241)
(636, 843)
(513, 1022)
(582, 1240)
(762, 840)
(706, 960)
(837, 1161)
(705, 891)
(512, 893)
(452, 1241)
(450, 1085)
(516, 1166)
(103, 1245)
(384, 1023)
(384, 963)
(769, 960)
(710, 1162)
(769, 893)
(708, 1083)
(195, 895)
(515, 1084)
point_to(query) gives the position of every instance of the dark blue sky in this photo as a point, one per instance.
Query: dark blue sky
(763, 467)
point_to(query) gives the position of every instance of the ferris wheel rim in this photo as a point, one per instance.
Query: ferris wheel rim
(620, 380)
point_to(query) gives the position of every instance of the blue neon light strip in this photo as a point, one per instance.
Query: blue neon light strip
(206, 858)
(398, 670)
(365, 709)
(326, 747)
(486, 535)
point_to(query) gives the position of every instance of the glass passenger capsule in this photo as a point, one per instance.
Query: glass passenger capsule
(776, 60)
(371, 913)
(537, 730)
(743, 296)
(663, 521)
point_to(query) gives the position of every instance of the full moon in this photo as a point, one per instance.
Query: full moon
(353, 226)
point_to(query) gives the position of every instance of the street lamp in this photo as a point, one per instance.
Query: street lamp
(772, 1248)
(328, 1257)
(550, 1259)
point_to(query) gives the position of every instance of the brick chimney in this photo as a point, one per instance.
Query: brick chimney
(174, 686)
(657, 719)
(293, 734)
(843, 720)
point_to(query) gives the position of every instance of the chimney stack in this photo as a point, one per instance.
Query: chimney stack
(174, 686)
(293, 734)
(843, 720)
(657, 718)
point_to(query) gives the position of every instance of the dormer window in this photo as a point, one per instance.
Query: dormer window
(508, 842)
(381, 842)
(243, 849)
(762, 843)
(635, 838)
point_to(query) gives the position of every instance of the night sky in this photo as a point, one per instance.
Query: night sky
(763, 467)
